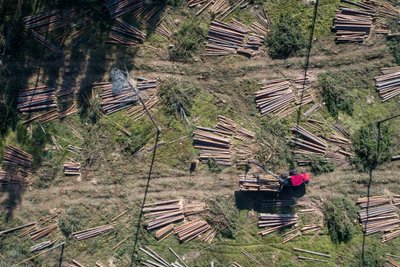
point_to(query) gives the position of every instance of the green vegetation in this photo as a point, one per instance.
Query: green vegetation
(365, 142)
(177, 97)
(286, 37)
(321, 165)
(304, 13)
(394, 47)
(188, 40)
(223, 215)
(213, 166)
(373, 255)
(273, 148)
(335, 95)
(339, 215)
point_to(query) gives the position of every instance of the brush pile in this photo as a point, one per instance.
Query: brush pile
(274, 222)
(117, 8)
(125, 34)
(36, 98)
(275, 97)
(388, 84)
(379, 215)
(253, 182)
(92, 232)
(72, 169)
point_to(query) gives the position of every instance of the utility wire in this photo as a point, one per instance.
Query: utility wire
(310, 43)
(306, 65)
(158, 132)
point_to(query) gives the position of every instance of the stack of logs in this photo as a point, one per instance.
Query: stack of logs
(378, 215)
(92, 232)
(275, 97)
(220, 8)
(196, 228)
(125, 34)
(213, 144)
(36, 98)
(216, 143)
(117, 8)
(49, 21)
(112, 102)
(72, 168)
(162, 217)
(158, 261)
(224, 39)
(307, 143)
(17, 166)
(252, 182)
(275, 222)
(388, 84)
(390, 262)
(352, 25)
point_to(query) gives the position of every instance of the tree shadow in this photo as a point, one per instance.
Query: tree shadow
(14, 192)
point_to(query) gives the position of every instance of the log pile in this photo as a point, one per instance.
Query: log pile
(306, 143)
(219, 8)
(157, 261)
(252, 182)
(163, 213)
(16, 157)
(36, 98)
(191, 229)
(213, 144)
(43, 41)
(117, 8)
(226, 143)
(319, 254)
(92, 232)
(388, 84)
(224, 39)
(138, 111)
(378, 215)
(49, 21)
(125, 34)
(72, 169)
(352, 25)
(43, 232)
(163, 217)
(275, 97)
(111, 102)
(390, 262)
(274, 222)
(274, 203)
(41, 246)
